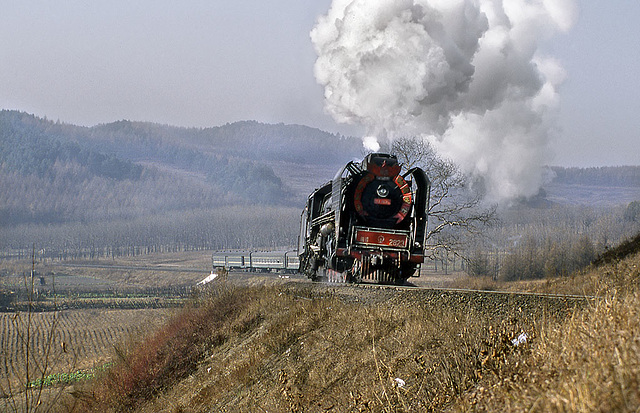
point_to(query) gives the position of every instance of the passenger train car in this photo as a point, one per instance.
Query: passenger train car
(272, 261)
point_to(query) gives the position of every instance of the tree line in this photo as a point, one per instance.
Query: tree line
(620, 176)
(533, 244)
(226, 228)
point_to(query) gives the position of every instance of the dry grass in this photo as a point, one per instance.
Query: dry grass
(148, 367)
(283, 349)
(589, 362)
(54, 343)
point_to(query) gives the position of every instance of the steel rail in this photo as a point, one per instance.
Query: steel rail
(348, 285)
(461, 290)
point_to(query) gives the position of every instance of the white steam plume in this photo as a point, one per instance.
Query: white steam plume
(464, 74)
(371, 143)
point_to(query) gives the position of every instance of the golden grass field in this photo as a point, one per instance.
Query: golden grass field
(283, 347)
(292, 349)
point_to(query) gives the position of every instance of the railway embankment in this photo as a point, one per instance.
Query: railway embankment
(301, 347)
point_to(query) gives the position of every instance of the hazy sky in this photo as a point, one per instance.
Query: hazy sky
(206, 63)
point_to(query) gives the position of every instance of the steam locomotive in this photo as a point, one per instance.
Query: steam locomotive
(368, 223)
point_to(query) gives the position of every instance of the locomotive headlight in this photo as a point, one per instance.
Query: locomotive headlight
(382, 191)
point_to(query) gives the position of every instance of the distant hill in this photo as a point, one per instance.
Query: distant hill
(601, 186)
(613, 176)
(27, 147)
(246, 139)
(55, 172)
(194, 147)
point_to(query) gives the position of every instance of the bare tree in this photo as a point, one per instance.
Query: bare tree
(457, 211)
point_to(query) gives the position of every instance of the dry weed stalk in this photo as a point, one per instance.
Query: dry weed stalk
(23, 388)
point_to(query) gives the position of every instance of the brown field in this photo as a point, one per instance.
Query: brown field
(72, 340)
(292, 348)
(263, 343)
(67, 275)
(63, 342)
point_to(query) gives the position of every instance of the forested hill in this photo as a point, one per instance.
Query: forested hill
(51, 172)
(27, 148)
(284, 142)
(612, 176)
(246, 139)
(55, 172)
(190, 147)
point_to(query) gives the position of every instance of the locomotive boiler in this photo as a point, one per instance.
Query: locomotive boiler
(368, 223)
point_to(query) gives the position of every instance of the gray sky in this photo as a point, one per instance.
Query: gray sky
(206, 63)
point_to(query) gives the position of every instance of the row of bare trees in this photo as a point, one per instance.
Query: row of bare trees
(518, 242)
(224, 228)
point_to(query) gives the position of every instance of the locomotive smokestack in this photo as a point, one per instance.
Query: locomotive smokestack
(466, 75)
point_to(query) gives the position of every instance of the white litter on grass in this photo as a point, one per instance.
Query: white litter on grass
(522, 338)
(399, 382)
(210, 278)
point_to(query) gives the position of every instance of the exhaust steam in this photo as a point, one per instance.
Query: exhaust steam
(466, 75)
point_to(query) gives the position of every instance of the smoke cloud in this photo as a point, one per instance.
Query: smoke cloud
(464, 74)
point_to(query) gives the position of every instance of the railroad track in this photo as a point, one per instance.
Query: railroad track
(298, 279)
(430, 289)
(472, 291)
(507, 305)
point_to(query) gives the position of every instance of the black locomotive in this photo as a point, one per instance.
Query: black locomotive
(368, 223)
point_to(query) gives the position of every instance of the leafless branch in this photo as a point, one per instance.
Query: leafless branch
(457, 211)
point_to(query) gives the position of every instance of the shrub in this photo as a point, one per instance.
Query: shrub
(171, 353)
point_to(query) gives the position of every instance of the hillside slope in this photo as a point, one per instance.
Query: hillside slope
(293, 348)
(53, 173)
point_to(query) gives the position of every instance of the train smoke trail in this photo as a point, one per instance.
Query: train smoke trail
(464, 74)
